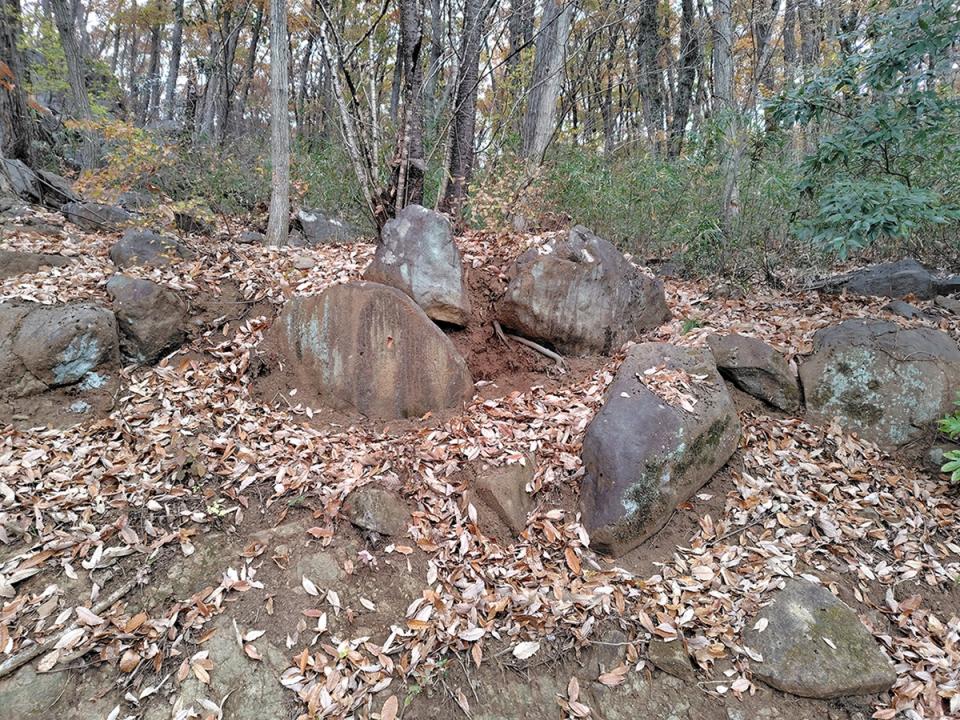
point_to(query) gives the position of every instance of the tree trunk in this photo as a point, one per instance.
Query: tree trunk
(250, 67)
(173, 69)
(76, 76)
(686, 76)
(279, 221)
(151, 106)
(725, 101)
(539, 120)
(519, 29)
(17, 130)
(648, 53)
(305, 64)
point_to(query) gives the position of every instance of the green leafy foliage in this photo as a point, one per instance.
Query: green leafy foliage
(950, 426)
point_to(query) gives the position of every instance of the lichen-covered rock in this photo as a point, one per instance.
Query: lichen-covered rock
(368, 347)
(581, 295)
(884, 382)
(145, 247)
(757, 369)
(14, 263)
(417, 255)
(43, 346)
(151, 317)
(815, 646)
(642, 455)
(318, 228)
(96, 216)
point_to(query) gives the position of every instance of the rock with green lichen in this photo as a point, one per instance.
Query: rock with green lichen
(814, 646)
(886, 383)
(645, 453)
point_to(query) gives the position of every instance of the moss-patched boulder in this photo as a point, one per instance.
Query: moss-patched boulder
(815, 646)
(884, 382)
(666, 426)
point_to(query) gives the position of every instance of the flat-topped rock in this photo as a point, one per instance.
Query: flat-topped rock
(96, 216)
(13, 263)
(319, 228)
(145, 247)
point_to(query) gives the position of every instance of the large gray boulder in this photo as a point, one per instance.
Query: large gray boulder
(581, 295)
(815, 646)
(369, 348)
(44, 346)
(417, 255)
(644, 452)
(145, 247)
(13, 263)
(884, 382)
(898, 279)
(96, 216)
(757, 369)
(151, 317)
(319, 228)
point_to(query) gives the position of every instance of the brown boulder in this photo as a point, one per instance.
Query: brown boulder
(644, 454)
(581, 295)
(368, 347)
(757, 369)
(145, 247)
(151, 317)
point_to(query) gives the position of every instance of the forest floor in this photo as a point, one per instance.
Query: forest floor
(185, 551)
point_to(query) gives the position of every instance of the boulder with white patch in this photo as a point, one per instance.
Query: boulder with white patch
(318, 228)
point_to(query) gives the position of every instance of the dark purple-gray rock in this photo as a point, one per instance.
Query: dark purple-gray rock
(96, 216)
(192, 221)
(145, 247)
(417, 255)
(898, 279)
(581, 295)
(886, 383)
(815, 646)
(151, 317)
(643, 456)
(757, 369)
(55, 190)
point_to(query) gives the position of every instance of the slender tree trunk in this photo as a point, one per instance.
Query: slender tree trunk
(305, 64)
(724, 99)
(76, 76)
(279, 220)
(250, 67)
(648, 52)
(686, 76)
(151, 106)
(539, 120)
(173, 69)
(17, 130)
(519, 29)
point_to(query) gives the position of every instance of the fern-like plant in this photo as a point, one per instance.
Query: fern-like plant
(950, 426)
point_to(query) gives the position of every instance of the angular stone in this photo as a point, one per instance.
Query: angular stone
(370, 348)
(378, 510)
(581, 295)
(757, 369)
(904, 309)
(96, 216)
(318, 228)
(417, 254)
(55, 190)
(671, 658)
(193, 221)
(815, 646)
(145, 247)
(14, 263)
(884, 382)
(503, 490)
(303, 262)
(892, 279)
(643, 456)
(151, 317)
(251, 237)
(29, 694)
(23, 180)
(950, 304)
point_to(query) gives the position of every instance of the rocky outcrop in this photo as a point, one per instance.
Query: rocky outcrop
(645, 452)
(145, 247)
(94, 217)
(44, 346)
(581, 295)
(318, 228)
(898, 279)
(151, 317)
(815, 646)
(13, 263)
(884, 382)
(369, 348)
(757, 369)
(417, 255)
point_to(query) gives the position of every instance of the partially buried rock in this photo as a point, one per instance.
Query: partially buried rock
(666, 426)
(44, 346)
(136, 201)
(893, 280)
(368, 347)
(145, 247)
(672, 658)
(303, 262)
(251, 237)
(193, 221)
(950, 304)
(815, 646)
(378, 510)
(96, 216)
(581, 295)
(503, 490)
(318, 228)
(151, 317)
(904, 310)
(884, 382)
(417, 255)
(757, 369)
(14, 263)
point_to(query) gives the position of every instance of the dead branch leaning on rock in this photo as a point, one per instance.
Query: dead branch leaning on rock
(530, 344)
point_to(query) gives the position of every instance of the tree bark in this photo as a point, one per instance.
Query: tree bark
(17, 130)
(651, 90)
(723, 75)
(686, 76)
(279, 221)
(76, 76)
(250, 67)
(173, 68)
(539, 120)
(151, 106)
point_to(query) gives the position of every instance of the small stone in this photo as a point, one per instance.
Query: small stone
(79, 406)
(757, 369)
(815, 646)
(935, 455)
(13, 263)
(904, 309)
(304, 262)
(147, 248)
(949, 304)
(503, 490)
(671, 658)
(378, 510)
(250, 237)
